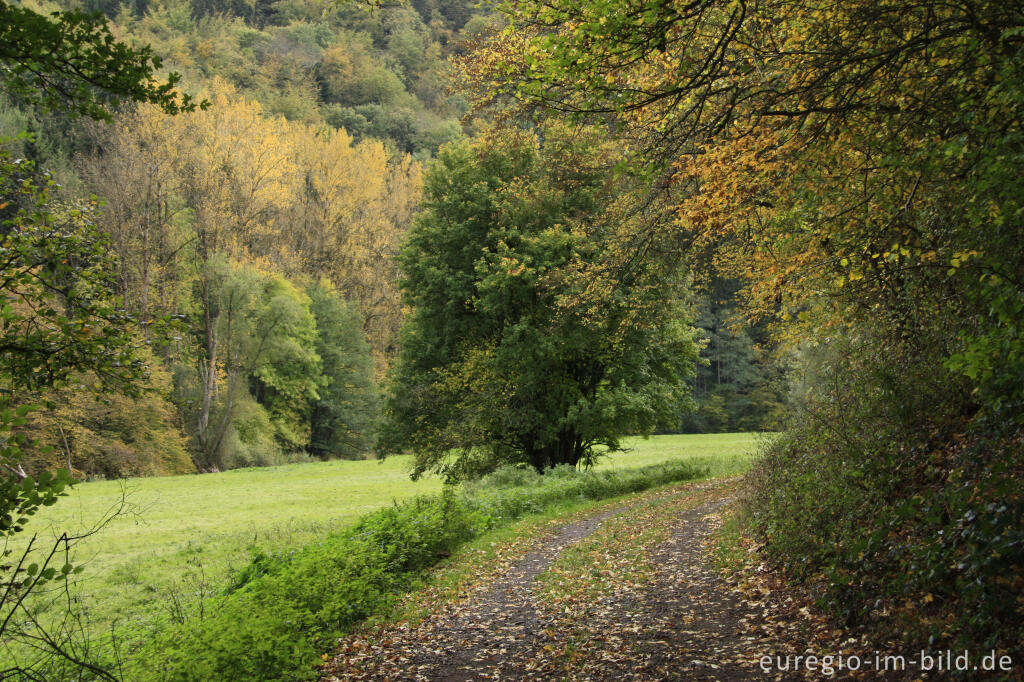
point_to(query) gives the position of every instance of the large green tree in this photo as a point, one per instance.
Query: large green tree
(270, 369)
(859, 164)
(528, 341)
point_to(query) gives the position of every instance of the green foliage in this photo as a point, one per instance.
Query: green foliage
(284, 609)
(249, 439)
(266, 335)
(892, 503)
(512, 354)
(70, 61)
(57, 323)
(284, 367)
(57, 317)
(298, 373)
(20, 498)
(924, 532)
(341, 420)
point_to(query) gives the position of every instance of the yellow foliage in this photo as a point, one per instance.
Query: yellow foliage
(302, 198)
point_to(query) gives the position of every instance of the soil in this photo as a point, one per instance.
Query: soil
(686, 621)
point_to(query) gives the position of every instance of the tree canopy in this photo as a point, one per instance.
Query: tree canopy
(527, 343)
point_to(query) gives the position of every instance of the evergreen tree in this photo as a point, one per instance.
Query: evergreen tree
(341, 420)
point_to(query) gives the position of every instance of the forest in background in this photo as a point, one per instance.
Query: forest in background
(844, 176)
(277, 213)
(238, 231)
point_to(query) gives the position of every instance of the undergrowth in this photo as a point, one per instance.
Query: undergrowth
(284, 610)
(916, 534)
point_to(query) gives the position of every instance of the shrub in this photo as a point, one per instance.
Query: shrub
(284, 609)
(911, 525)
(508, 475)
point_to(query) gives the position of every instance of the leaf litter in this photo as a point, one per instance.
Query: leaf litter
(620, 593)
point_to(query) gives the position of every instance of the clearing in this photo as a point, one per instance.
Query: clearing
(191, 532)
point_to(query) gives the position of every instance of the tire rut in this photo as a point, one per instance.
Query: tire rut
(463, 644)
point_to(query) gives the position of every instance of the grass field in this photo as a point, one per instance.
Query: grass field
(190, 532)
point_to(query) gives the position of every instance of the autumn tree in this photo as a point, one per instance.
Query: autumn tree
(233, 185)
(521, 348)
(858, 164)
(350, 207)
(134, 166)
(233, 172)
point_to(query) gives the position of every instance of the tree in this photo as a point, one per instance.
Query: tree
(71, 61)
(267, 361)
(133, 167)
(59, 322)
(350, 209)
(738, 387)
(526, 344)
(116, 436)
(839, 152)
(265, 194)
(234, 173)
(341, 420)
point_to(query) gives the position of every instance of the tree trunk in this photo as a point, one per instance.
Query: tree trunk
(566, 449)
(208, 374)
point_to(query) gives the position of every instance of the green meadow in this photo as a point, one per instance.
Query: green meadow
(185, 535)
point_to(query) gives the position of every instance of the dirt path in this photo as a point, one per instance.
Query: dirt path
(686, 623)
(487, 638)
(681, 621)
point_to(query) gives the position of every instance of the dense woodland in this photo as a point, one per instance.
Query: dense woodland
(856, 167)
(253, 239)
(514, 235)
(289, 196)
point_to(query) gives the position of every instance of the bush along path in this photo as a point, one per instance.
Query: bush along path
(284, 609)
(627, 592)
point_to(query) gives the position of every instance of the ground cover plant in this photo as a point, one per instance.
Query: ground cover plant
(193, 532)
(284, 609)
